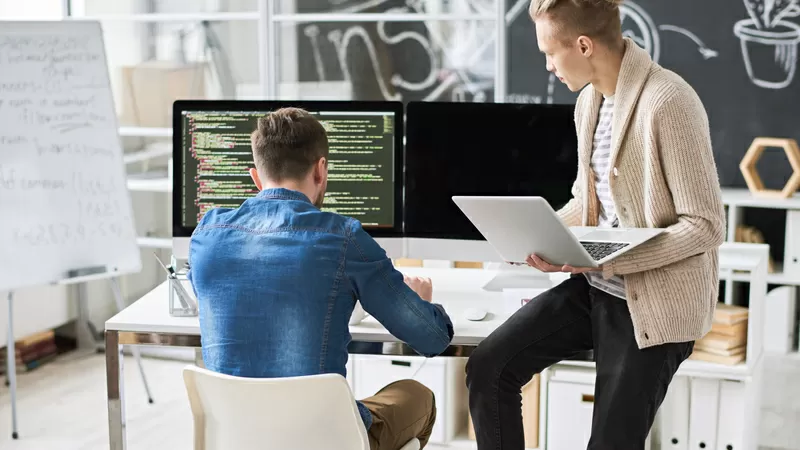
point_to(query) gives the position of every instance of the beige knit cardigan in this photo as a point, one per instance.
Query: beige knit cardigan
(663, 175)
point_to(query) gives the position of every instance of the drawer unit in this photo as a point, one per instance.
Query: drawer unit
(444, 376)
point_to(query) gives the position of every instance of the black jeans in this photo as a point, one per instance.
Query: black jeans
(559, 324)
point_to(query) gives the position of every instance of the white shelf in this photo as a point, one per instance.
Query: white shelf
(148, 154)
(378, 17)
(155, 184)
(166, 17)
(743, 197)
(154, 242)
(690, 368)
(778, 277)
(145, 131)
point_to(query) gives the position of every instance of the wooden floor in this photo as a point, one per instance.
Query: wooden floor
(62, 406)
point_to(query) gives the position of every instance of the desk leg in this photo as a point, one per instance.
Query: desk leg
(116, 410)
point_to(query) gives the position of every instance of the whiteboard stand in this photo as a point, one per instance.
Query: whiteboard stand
(62, 170)
(11, 366)
(134, 349)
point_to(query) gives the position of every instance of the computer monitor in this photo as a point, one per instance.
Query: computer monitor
(212, 156)
(480, 149)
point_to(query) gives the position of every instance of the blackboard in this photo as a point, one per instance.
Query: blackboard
(696, 39)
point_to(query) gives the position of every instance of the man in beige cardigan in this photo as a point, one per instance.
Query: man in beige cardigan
(645, 160)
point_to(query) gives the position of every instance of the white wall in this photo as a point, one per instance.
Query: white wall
(36, 309)
(31, 9)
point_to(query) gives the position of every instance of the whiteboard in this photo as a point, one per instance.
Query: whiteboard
(64, 201)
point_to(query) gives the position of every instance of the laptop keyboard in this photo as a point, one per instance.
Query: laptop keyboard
(599, 250)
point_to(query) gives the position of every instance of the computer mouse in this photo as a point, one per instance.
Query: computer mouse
(475, 314)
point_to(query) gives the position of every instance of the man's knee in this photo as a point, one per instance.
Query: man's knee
(481, 364)
(416, 393)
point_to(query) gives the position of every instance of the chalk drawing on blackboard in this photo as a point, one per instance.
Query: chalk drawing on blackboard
(769, 43)
(637, 24)
(397, 79)
(643, 30)
(342, 39)
(707, 53)
(312, 32)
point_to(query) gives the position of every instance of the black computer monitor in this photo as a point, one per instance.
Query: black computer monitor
(212, 156)
(483, 149)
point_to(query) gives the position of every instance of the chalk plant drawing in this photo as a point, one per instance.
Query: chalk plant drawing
(768, 42)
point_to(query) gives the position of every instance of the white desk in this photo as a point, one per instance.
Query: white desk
(147, 322)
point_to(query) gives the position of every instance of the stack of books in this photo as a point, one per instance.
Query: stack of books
(727, 341)
(32, 351)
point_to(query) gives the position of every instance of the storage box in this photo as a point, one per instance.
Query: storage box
(150, 88)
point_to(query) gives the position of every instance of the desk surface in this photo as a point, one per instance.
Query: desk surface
(456, 290)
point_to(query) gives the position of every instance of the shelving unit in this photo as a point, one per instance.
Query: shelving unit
(145, 184)
(751, 261)
(787, 271)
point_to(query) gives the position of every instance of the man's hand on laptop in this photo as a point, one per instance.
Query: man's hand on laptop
(544, 266)
(421, 285)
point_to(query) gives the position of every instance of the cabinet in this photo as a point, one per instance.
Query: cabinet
(445, 377)
(569, 409)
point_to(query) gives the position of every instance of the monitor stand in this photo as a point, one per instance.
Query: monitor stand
(517, 277)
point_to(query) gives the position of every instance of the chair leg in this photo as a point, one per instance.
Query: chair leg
(413, 444)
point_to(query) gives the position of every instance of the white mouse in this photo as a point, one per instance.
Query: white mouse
(475, 314)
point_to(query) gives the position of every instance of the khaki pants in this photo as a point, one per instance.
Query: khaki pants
(401, 411)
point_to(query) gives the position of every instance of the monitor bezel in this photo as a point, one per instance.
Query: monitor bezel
(179, 106)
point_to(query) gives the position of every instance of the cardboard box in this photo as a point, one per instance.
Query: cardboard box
(150, 88)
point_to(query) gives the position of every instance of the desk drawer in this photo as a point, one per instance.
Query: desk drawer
(373, 373)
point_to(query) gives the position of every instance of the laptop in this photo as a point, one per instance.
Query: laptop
(520, 226)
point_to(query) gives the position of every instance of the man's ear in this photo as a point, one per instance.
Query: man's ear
(586, 46)
(256, 178)
(320, 171)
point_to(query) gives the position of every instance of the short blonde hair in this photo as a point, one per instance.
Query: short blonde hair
(597, 19)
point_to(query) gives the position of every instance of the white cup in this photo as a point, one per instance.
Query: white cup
(358, 314)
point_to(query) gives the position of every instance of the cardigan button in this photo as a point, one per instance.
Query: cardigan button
(635, 297)
(616, 172)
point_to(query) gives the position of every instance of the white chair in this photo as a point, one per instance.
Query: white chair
(316, 412)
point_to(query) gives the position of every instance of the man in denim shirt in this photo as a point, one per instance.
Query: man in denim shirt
(277, 280)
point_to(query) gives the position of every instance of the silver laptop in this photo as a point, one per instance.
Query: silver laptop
(520, 226)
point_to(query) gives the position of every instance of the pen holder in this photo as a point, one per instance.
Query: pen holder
(182, 302)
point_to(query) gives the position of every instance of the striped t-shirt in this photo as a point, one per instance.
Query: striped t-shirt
(601, 156)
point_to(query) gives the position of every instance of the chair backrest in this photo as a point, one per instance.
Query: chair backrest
(316, 412)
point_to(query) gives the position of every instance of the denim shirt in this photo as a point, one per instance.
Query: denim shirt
(277, 280)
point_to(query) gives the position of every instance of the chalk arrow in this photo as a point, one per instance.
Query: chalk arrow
(707, 53)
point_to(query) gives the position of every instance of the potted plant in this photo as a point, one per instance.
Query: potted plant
(769, 43)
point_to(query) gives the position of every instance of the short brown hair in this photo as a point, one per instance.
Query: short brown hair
(287, 143)
(597, 19)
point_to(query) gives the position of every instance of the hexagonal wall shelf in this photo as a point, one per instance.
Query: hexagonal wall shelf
(753, 180)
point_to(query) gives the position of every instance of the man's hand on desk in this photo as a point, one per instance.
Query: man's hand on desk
(422, 286)
(544, 266)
